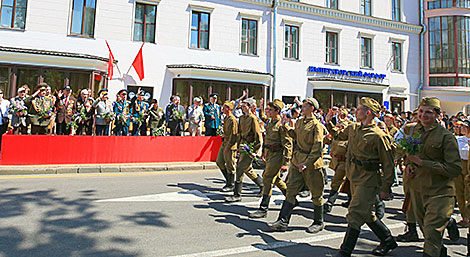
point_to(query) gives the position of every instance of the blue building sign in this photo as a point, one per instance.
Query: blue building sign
(347, 73)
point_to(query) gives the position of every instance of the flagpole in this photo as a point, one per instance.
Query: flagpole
(134, 58)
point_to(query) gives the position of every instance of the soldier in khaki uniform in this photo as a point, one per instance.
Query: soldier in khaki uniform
(39, 110)
(372, 151)
(306, 168)
(228, 151)
(338, 164)
(431, 174)
(249, 133)
(277, 151)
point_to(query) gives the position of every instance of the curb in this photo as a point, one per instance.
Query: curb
(104, 168)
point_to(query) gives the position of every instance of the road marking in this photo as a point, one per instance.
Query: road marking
(276, 245)
(187, 196)
(107, 174)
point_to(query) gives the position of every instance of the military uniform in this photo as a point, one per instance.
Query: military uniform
(85, 125)
(139, 117)
(156, 119)
(228, 151)
(65, 108)
(278, 152)
(249, 133)
(308, 150)
(122, 111)
(372, 151)
(212, 125)
(432, 188)
(39, 113)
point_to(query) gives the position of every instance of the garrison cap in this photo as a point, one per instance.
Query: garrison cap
(278, 103)
(431, 102)
(250, 101)
(214, 95)
(229, 105)
(312, 101)
(370, 103)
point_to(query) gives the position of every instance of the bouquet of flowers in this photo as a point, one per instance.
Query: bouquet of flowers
(178, 115)
(409, 144)
(249, 149)
(220, 131)
(45, 114)
(72, 125)
(19, 108)
(139, 119)
(160, 131)
(109, 116)
(121, 118)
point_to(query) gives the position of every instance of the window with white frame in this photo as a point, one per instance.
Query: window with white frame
(249, 36)
(366, 7)
(366, 52)
(291, 42)
(333, 4)
(396, 10)
(200, 29)
(83, 18)
(13, 13)
(396, 56)
(144, 23)
(332, 47)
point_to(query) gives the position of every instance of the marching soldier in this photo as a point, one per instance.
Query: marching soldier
(431, 173)
(338, 164)
(39, 110)
(372, 151)
(228, 151)
(306, 168)
(249, 134)
(277, 151)
(122, 110)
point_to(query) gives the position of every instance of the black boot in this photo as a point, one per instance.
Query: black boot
(443, 251)
(387, 242)
(453, 230)
(230, 183)
(224, 172)
(468, 244)
(349, 242)
(330, 202)
(282, 222)
(318, 224)
(237, 197)
(346, 204)
(411, 235)
(262, 212)
(259, 182)
(379, 208)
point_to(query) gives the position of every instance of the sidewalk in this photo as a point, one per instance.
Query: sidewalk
(105, 168)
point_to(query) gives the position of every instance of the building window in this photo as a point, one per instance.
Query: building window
(437, 4)
(83, 17)
(249, 37)
(333, 4)
(13, 13)
(396, 56)
(291, 38)
(332, 47)
(200, 30)
(366, 7)
(396, 10)
(366, 52)
(144, 24)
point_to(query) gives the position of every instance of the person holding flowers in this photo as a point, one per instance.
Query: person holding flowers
(228, 151)
(277, 152)
(39, 110)
(104, 113)
(370, 170)
(19, 112)
(305, 169)
(65, 107)
(175, 115)
(156, 119)
(139, 110)
(85, 112)
(249, 142)
(122, 110)
(432, 164)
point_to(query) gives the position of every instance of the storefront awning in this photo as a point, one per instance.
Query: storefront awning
(208, 72)
(346, 85)
(43, 58)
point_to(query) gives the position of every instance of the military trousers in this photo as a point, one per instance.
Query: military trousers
(462, 191)
(272, 173)
(410, 215)
(244, 166)
(432, 213)
(338, 178)
(311, 177)
(361, 206)
(226, 159)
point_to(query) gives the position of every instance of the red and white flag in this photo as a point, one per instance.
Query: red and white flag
(110, 62)
(138, 64)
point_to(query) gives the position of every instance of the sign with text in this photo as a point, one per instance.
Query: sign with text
(347, 74)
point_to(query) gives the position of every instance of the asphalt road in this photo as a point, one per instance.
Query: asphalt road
(166, 214)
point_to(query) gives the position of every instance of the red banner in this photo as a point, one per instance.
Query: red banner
(41, 150)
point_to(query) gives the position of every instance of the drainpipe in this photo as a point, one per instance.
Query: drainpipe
(274, 26)
(421, 36)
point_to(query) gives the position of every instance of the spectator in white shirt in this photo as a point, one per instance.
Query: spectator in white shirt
(196, 117)
(5, 120)
(462, 191)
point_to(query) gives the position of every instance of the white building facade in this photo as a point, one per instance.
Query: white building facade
(334, 50)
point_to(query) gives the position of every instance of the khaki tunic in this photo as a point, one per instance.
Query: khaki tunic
(37, 105)
(432, 188)
(249, 132)
(227, 152)
(308, 137)
(370, 143)
(277, 152)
